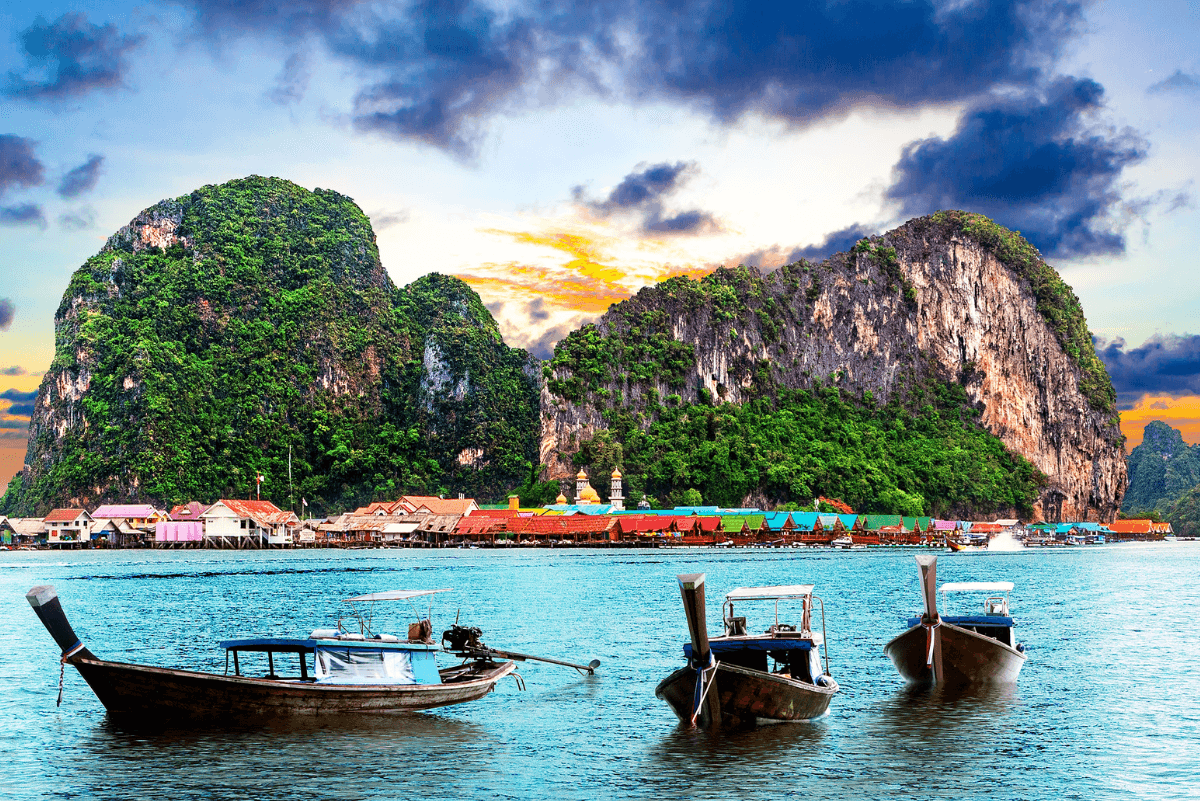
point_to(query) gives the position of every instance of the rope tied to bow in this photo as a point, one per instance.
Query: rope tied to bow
(703, 685)
(929, 640)
(62, 668)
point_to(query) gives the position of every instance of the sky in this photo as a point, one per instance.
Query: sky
(559, 156)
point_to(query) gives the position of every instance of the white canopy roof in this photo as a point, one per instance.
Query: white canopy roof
(770, 593)
(978, 586)
(394, 595)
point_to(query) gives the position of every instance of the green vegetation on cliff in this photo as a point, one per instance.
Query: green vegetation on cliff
(266, 325)
(931, 458)
(1161, 470)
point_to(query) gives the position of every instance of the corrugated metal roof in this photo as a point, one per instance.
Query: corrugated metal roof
(263, 512)
(114, 510)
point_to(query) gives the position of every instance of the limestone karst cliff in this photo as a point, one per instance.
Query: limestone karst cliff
(945, 306)
(250, 328)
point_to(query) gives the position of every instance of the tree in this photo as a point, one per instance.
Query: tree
(693, 498)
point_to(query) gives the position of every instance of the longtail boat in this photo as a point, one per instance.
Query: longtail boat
(962, 649)
(338, 671)
(728, 680)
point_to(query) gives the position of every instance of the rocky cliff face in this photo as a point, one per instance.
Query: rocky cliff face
(250, 328)
(948, 298)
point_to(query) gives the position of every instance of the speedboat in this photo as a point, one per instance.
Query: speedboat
(330, 672)
(958, 649)
(740, 678)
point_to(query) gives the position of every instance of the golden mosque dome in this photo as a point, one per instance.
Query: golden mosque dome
(616, 473)
(582, 475)
(588, 495)
(561, 499)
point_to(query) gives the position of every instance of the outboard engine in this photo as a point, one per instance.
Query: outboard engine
(462, 638)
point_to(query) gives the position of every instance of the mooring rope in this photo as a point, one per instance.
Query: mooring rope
(929, 640)
(705, 685)
(62, 668)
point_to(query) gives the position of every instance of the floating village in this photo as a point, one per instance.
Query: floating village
(418, 521)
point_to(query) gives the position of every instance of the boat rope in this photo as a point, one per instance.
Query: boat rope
(929, 640)
(62, 668)
(704, 685)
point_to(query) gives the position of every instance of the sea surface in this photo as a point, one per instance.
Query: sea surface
(1108, 705)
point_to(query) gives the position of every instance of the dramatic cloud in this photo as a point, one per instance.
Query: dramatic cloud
(7, 312)
(17, 396)
(23, 214)
(437, 70)
(641, 194)
(14, 424)
(71, 57)
(1179, 82)
(19, 166)
(82, 179)
(292, 81)
(15, 369)
(1034, 162)
(835, 242)
(1163, 365)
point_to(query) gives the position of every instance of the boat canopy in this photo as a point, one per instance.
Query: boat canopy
(770, 593)
(978, 586)
(393, 595)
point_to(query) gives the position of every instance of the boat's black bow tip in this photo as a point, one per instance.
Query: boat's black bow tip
(45, 603)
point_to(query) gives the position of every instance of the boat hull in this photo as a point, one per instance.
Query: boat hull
(163, 696)
(967, 657)
(748, 696)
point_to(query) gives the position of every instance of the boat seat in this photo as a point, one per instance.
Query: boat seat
(735, 627)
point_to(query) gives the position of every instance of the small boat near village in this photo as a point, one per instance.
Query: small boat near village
(961, 649)
(728, 680)
(334, 671)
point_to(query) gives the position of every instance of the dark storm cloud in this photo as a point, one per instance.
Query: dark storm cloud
(14, 425)
(7, 312)
(1179, 82)
(292, 81)
(437, 70)
(835, 242)
(82, 179)
(1165, 365)
(1034, 162)
(15, 369)
(16, 396)
(20, 410)
(641, 194)
(19, 165)
(23, 214)
(70, 57)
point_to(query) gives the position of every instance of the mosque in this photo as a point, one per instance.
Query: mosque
(586, 495)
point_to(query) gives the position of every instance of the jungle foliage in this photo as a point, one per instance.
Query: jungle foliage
(928, 457)
(270, 327)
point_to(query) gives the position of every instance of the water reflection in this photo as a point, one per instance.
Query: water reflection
(351, 757)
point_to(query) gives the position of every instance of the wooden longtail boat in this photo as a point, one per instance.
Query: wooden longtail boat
(351, 673)
(727, 681)
(965, 649)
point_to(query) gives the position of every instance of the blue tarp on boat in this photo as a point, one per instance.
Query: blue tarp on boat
(765, 644)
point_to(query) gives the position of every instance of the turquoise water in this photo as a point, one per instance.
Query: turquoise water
(1108, 705)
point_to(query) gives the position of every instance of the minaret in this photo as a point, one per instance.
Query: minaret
(616, 496)
(581, 481)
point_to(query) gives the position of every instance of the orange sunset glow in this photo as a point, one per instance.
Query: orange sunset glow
(578, 270)
(1181, 413)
